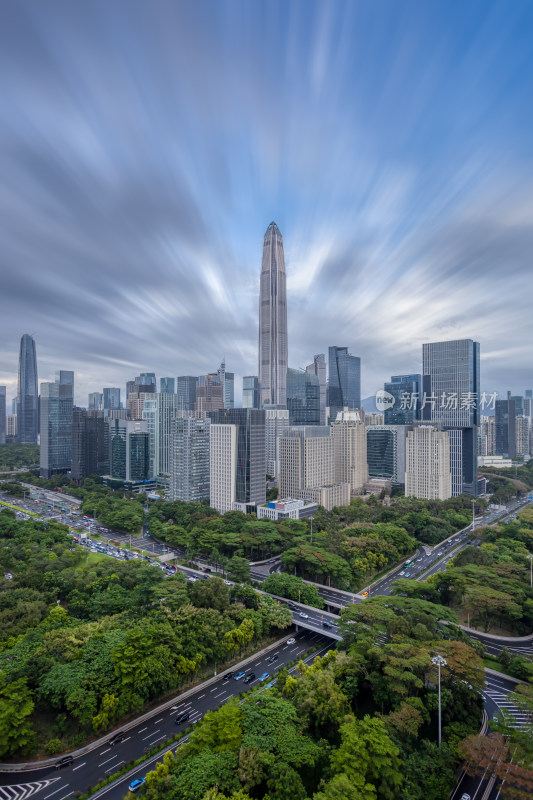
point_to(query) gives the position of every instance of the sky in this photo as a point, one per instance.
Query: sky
(145, 146)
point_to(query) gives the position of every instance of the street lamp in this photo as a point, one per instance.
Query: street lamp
(439, 661)
(530, 556)
(311, 518)
(473, 514)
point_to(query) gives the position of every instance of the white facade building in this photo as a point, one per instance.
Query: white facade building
(428, 471)
(222, 466)
(276, 426)
(349, 444)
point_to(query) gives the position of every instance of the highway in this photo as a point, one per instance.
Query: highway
(90, 768)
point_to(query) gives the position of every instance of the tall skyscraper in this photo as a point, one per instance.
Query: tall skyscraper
(250, 391)
(27, 392)
(209, 393)
(129, 450)
(385, 452)
(451, 386)
(344, 385)
(501, 424)
(276, 426)
(427, 469)
(248, 471)
(407, 399)
(65, 376)
(95, 401)
(168, 386)
(349, 444)
(187, 392)
(189, 460)
(318, 368)
(159, 411)
(56, 428)
(227, 381)
(111, 397)
(3, 415)
(273, 346)
(303, 397)
(90, 446)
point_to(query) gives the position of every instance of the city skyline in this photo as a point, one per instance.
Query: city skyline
(131, 239)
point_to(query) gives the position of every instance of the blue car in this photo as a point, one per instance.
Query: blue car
(264, 676)
(136, 784)
(238, 676)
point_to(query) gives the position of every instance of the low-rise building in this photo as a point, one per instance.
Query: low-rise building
(286, 509)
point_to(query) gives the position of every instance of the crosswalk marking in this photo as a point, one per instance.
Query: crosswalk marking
(21, 791)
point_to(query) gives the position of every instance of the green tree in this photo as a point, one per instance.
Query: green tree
(16, 706)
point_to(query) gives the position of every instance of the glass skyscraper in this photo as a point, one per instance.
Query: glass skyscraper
(27, 392)
(2, 414)
(111, 397)
(318, 368)
(168, 386)
(452, 390)
(250, 476)
(406, 392)
(250, 391)
(189, 460)
(273, 347)
(344, 385)
(303, 397)
(56, 428)
(187, 392)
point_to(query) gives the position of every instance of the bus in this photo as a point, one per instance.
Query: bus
(408, 564)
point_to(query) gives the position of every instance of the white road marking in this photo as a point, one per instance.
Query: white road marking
(79, 766)
(150, 735)
(141, 731)
(158, 720)
(107, 761)
(113, 767)
(219, 695)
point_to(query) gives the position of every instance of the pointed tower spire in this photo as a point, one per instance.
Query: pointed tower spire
(273, 320)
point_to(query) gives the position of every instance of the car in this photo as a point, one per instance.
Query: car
(292, 606)
(264, 676)
(136, 784)
(183, 717)
(249, 678)
(292, 640)
(239, 675)
(402, 572)
(117, 738)
(8, 576)
(272, 658)
(327, 624)
(191, 579)
(407, 574)
(364, 594)
(270, 685)
(465, 796)
(304, 615)
(228, 675)
(228, 583)
(66, 761)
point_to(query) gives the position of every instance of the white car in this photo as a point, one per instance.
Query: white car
(292, 640)
(228, 583)
(191, 579)
(304, 615)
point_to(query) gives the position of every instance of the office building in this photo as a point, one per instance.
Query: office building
(27, 392)
(405, 389)
(344, 383)
(452, 392)
(56, 405)
(250, 391)
(335, 496)
(303, 397)
(276, 426)
(237, 461)
(145, 382)
(516, 409)
(318, 368)
(129, 450)
(522, 436)
(307, 467)
(111, 397)
(189, 459)
(385, 451)
(158, 411)
(96, 401)
(287, 509)
(14, 405)
(487, 437)
(227, 381)
(3, 414)
(273, 347)
(11, 427)
(209, 393)
(501, 426)
(373, 418)
(427, 469)
(187, 392)
(90, 446)
(65, 376)
(168, 385)
(349, 444)
(116, 413)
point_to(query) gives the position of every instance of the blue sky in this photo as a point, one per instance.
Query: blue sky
(146, 146)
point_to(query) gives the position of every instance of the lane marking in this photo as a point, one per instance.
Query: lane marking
(115, 766)
(79, 766)
(151, 734)
(107, 761)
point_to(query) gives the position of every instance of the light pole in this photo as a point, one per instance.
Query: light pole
(530, 556)
(473, 514)
(439, 661)
(311, 518)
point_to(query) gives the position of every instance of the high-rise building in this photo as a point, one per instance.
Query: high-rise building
(427, 469)
(276, 426)
(250, 391)
(209, 393)
(249, 471)
(303, 397)
(56, 428)
(65, 376)
(515, 405)
(90, 446)
(344, 384)
(318, 368)
(159, 411)
(501, 425)
(96, 401)
(407, 399)
(11, 427)
(385, 452)
(189, 459)
(2, 414)
(111, 397)
(227, 381)
(349, 443)
(168, 386)
(451, 390)
(136, 404)
(273, 346)
(145, 382)
(223, 466)
(187, 392)
(522, 436)
(27, 392)
(14, 405)
(373, 418)
(487, 437)
(129, 450)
